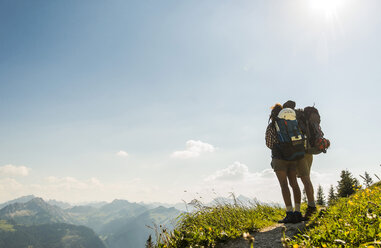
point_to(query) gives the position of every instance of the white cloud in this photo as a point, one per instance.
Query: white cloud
(73, 183)
(247, 68)
(10, 170)
(122, 153)
(9, 184)
(77, 190)
(263, 185)
(234, 172)
(238, 179)
(193, 149)
(11, 189)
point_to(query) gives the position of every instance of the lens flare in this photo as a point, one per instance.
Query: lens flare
(327, 6)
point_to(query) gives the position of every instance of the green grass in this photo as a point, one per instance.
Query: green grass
(209, 225)
(6, 227)
(351, 222)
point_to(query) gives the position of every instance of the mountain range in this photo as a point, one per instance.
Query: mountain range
(118, 224)
(53, 235)
(115, 225)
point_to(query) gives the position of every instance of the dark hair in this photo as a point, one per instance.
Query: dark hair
(275, 111)
(289, 104)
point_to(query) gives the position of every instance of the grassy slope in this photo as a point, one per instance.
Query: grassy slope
(209, 225)
(351, 222)
(6, 227)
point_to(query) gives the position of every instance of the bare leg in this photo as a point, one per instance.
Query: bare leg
(295, 186)
(308, 187)
(282, 178)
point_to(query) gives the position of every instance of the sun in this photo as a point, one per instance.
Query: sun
(326, 6)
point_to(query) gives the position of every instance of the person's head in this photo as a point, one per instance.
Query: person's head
(289, 104)
(275, 111)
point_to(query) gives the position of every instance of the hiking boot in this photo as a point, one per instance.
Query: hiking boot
(309, 212)
(298, 217)
(288, 219)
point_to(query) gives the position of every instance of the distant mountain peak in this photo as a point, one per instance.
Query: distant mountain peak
(22, 199)
(37, 210)
(37, 199)
(119, 201)
(27, 197)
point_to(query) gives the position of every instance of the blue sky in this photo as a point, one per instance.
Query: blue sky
(81, 81)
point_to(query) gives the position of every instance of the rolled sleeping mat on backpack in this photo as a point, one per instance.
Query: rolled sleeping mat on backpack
(323, 144)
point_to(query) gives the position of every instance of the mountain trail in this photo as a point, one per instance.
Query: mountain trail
(269, 237)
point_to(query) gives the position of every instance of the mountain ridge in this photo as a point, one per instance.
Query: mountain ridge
(34, 212)
(109, 221)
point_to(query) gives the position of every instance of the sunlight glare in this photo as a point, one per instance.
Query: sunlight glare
(327, 6)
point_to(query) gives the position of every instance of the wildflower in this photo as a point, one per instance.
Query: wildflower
(295, 246)
(247, 236)
(371, 216)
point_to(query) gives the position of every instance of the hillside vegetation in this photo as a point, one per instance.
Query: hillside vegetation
(353, 221)
(224, 221)
(54, 235)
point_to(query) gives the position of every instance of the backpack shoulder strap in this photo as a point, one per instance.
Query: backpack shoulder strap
(308, 135)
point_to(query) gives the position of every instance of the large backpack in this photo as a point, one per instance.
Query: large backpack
(291, 139)
(315, 136)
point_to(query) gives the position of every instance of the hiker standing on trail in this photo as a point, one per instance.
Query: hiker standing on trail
(286, 142)
(309, 123)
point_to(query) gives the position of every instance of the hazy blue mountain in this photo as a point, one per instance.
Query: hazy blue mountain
(61, 204)
(122, 207)
(187, 207)
(182, 206)
(27, 198)
(94, 204)
(246, 200)
(22, 199)
(79, 210)
(133, 232)
(241, 199)
(96, 218)
(34, 212)
(120, 223)
(53, 235)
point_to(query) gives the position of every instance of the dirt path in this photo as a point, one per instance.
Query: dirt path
(269, 237)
